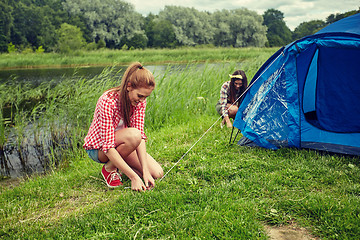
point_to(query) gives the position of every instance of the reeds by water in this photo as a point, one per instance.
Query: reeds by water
(108, 57)
(217, 191)
(56, 115)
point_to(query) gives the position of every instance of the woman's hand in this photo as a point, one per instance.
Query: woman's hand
(148, 180)
(229, 124)
(137, 184)
(227, 121)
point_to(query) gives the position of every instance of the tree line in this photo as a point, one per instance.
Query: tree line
(68, 25)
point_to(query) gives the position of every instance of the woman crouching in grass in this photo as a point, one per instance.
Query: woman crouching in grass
(116, 136)
(230, 93)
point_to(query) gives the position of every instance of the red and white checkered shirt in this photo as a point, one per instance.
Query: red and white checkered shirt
(107, 118)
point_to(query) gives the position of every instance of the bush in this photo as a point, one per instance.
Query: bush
(70, 38)
(27, 50)
(11, 48)
(91, 46)
(40, 50)
(101, 44)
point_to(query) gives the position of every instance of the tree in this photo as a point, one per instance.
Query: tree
(238, 28)
(191, 27)
(113, 21)
(70, 38)
(336, 17)
(149, 28)
(278, 33)
(5, 26)
(31, 26)
(308, 28)
(138, 40)
(164, 34)
(160, 33)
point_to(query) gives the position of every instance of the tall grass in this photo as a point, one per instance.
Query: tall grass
(3, 140)
(184, 93)
(218, 191)
(53, 114)
(149, 56)
(59, 113)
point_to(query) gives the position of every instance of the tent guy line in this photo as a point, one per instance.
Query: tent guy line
(190, 148)
(252, 83)
(187, 151)
(183, 156)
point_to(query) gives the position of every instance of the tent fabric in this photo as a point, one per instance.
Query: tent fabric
(307, 94)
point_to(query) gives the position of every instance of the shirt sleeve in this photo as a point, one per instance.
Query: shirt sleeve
(138, 118)
(224, 94)
(105, 117)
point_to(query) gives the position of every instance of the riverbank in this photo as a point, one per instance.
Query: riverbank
(108, 57)
(217, 191)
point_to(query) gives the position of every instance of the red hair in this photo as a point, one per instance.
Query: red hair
(135, 76)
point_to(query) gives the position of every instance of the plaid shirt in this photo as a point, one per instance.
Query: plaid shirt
(224, 95)
(107, 118)
(225, 98)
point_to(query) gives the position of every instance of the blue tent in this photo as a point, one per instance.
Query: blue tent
(307, 95)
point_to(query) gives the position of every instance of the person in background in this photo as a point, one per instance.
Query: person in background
(228, 104)
(116, 136)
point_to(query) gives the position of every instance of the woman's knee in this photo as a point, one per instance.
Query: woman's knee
(158, 173)
(128, 136)
(232, 111)
(156, 169)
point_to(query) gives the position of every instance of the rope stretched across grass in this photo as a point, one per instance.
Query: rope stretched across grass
(183, 156)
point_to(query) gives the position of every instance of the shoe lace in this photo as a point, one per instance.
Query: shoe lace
(115, 176)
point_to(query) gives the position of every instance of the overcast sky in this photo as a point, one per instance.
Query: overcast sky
(295, 11)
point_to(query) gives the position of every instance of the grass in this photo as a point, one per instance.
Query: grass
(119, 57)
(217, 191)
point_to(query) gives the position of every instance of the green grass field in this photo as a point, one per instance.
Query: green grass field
(119, 57)
(217, 191)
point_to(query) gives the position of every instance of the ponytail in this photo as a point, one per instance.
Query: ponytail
(135, 76)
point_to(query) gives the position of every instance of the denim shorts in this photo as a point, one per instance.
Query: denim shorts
(93, 154)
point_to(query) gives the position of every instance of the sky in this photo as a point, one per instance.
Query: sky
(295, 11)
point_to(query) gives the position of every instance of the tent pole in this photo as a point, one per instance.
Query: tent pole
(231, 134)
(236, 135)
(232, 131)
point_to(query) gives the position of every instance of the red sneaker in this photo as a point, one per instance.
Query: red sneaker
(112, 179)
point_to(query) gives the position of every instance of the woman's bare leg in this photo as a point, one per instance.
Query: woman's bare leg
(155, 169)
(232, 110)
(127, 140)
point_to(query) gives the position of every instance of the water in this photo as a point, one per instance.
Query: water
(34, 159)
(31, 158)
(37, 76)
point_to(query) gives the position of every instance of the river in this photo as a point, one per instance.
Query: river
(11, 166)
